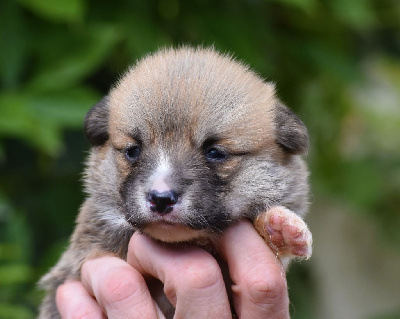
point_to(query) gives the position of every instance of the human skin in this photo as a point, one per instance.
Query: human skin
(192, 280)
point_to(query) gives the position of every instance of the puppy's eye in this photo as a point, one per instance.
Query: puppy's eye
(214, 154)
(132, 153)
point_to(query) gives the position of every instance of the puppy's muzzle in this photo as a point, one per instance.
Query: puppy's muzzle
(162, 202)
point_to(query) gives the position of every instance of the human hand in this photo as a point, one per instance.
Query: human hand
(192, 279)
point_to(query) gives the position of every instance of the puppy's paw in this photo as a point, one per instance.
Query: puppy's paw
(285, 232)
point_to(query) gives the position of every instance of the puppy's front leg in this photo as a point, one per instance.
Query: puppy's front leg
(285, 232)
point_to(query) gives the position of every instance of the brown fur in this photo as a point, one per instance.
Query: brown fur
(174, 105)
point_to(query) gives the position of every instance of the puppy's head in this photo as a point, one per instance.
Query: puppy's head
(189, 141)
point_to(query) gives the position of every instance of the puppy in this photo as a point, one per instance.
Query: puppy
(185, 144)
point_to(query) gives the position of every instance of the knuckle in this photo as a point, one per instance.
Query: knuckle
(265, 290)
(202, 275)
(119, 285)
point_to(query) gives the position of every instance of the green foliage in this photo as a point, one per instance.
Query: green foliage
(57, 10)
(337, 63)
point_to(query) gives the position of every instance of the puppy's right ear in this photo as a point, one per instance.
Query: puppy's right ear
(96, 122)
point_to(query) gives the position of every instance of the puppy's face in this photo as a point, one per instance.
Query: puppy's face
(189, 141)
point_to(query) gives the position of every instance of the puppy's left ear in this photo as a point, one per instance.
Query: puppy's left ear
(291, 133)
(96, 122)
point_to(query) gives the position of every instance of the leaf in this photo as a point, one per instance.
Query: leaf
(84, 55)
(356, 13)
(18, 120)
(57, 10)
(4, 211)
(39, 118)
(10, 252)
(14, 49)
(9, 311)
(16, 117)
(15, 274)
(64, 109)
(307, 6)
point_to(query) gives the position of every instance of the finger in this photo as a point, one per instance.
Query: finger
(119, 289)
(192, 279)
(74, 301)
(259, 288)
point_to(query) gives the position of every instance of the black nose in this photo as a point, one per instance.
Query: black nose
(162, 202)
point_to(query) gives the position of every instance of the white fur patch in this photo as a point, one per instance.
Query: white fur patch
(164, 166)
(158, 181)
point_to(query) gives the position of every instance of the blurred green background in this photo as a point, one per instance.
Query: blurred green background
(336, 63)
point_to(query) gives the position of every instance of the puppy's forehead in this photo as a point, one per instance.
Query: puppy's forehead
(197, 93)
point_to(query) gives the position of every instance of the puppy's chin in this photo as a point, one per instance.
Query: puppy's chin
(172, 232)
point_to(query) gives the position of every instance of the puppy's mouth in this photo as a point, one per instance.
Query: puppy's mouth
(172, 232)
(166, 224)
